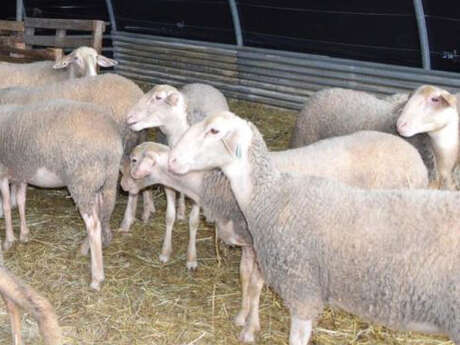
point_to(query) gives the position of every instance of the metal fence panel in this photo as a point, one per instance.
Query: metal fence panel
(277, 78)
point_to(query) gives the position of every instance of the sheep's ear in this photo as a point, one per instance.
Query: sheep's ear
(449, 99)
(232, 145)
(105, 61)
(63, 62)
(125, 166)
(172, 99)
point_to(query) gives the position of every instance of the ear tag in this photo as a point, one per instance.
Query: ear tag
(238, 151)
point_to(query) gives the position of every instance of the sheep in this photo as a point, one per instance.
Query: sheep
(109, 90)
(390, 256)
(60, 144)
(16, 294)
(81, 62)
(173, 111)
(389, 164)
(364, 159)
(434, 111)
(335, 111)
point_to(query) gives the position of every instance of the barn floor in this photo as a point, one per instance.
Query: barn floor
(146, 302)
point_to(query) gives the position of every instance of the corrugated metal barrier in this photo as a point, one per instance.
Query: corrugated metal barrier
(278, 78)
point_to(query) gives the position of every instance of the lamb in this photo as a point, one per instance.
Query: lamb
(333, 112)
(59, 144)
(81, 62)
(434, 111)
(109, 90)
(397, 262)
(16, 294)
(173, 111)
(338, 158)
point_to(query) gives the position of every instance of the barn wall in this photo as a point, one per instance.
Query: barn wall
(273, 77)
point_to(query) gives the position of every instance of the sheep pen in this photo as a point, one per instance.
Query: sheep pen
(144, 301)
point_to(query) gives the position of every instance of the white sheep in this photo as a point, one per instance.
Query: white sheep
(173, 111)
(389, 256)
(109, 90)
(63, 143)
(363, 159)
(434, 111)
(333, 112)
(82, 62)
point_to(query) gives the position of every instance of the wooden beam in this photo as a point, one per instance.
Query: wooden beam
(59, 42)
(10, 25)
(65, 24)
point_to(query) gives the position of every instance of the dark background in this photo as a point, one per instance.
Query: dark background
(378, 31)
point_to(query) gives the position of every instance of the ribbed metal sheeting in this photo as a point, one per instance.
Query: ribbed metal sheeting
(277, 78)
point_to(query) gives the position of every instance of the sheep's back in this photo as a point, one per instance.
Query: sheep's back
(30, 74)
(64, 136)
(202, 100)
(365, 159)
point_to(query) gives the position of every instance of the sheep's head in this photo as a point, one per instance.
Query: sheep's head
(215, 142)
(84, 60)
(160, 107)
(146, 157)
(428, 109)
(145, 160)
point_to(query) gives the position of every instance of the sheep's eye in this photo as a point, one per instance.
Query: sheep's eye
(213, 131)
(133, 160)
(435, 99)
(157, 97)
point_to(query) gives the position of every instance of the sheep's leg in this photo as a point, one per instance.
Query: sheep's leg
(25, 297)
(194, 220)
(252, 325)
(15, 319)
(13, 195)
(130, 213)
(5, 190)
(93, 226)
(166, 250)
(149, 206)
(246, 267)
(181, 207)
(107, 199)
(21, 199)
(300, 331)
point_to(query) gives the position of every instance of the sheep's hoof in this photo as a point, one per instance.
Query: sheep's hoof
(106, 238)
(164, 258)
(147, 213)
(24, 237)
(124, 231)
(95, 285)
(240, 319)
(146, 218)
(191, 265)
(8, 244)
(126, 225)
(247, 336)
